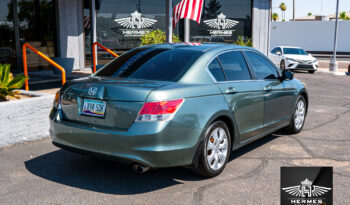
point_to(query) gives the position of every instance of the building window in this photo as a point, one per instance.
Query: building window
(120, 24)
(7, 40)
(36, 26)
(223, 21)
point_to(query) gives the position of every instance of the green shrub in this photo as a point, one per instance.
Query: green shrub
(156, 37)
(8, 83)
(242, 42)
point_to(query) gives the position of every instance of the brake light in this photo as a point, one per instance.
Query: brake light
(159, 111)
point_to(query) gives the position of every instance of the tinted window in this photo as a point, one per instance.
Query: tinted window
(216, 70)
(152, 64)
(274, 50)
(234, 66)
(263, 68)
(294, 51)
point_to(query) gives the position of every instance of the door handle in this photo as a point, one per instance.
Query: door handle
(268, 88)
(231, 90)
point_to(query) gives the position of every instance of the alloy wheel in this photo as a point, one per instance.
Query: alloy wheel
(299, 115)
(217, 148)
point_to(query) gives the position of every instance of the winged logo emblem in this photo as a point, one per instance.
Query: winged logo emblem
(221, 22)
(306, 189)
(136, 21)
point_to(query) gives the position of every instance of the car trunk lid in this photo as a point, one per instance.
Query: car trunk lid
(123, 99)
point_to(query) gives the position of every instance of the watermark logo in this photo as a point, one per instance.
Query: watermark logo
(306, 185)
(306, 189)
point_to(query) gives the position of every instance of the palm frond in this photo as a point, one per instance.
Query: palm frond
(2, 67)
(17, 82)
(5, 74)
(8, 83)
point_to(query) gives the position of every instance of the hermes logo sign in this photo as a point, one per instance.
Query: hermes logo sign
(135, 25)
(221, 25)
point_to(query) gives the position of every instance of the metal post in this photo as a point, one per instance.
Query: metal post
(269, 28)
(93, 26)
(333, 65)
(187, 30)
(16, 28)
(293, 10)
(169, 23)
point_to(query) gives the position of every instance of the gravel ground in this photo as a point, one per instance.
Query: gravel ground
(39, 173)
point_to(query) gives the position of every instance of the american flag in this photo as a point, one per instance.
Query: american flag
(191, 9)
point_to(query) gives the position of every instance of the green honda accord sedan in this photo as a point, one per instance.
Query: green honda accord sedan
(177, 105)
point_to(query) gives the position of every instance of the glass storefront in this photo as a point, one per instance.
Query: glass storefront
(223, 21)
(7, 39)
(36, 21)
(121, 23)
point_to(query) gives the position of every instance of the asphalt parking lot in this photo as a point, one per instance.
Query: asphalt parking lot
(39, 173)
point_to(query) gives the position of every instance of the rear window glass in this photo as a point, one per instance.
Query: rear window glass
(216, 70)
(234, 66)
(151, 64)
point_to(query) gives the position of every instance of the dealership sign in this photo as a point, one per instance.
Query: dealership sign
(135, 25)
(221, 25)
(306, 185)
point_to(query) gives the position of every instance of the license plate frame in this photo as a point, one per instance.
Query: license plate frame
(95, 108)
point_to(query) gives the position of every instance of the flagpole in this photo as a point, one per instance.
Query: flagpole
(169, 21)
(187, 30)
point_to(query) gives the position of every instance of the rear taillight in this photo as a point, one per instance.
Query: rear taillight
(159, 111)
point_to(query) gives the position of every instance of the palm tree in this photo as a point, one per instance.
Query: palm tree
(212, 9)
(275, 17)
(283, 8)
(344, 16)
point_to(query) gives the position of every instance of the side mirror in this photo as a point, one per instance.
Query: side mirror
(287, 75)
(278, 53)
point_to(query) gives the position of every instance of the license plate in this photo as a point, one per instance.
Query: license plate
(94, 108)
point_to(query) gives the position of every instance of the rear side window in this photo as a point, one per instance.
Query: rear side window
(263, 68)
(152, 64)
(216, 70)
(234, 66)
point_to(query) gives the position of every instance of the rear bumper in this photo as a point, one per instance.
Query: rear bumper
(162, 144)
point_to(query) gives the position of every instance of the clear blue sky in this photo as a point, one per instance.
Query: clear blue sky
(303, 7)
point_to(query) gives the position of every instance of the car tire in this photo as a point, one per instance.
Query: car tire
(311, 71)
(210, 164)
(283, 65)
(298, 117)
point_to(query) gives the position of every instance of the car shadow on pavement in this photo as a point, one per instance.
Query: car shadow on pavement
(108, 177)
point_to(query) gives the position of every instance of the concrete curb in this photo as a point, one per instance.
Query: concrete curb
(25, 120)
(332, 73)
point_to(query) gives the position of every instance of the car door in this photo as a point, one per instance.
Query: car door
(278, 94)
(243, 94)
(276, 56)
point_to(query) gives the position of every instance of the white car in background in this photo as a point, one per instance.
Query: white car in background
(293, 58)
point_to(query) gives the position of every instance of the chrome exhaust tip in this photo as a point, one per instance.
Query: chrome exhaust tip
(139, 168)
